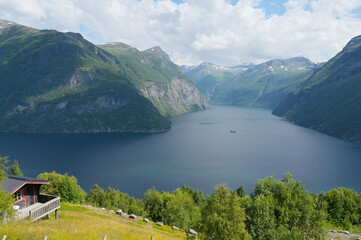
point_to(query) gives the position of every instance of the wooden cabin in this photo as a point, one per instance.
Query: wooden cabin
(29, 202)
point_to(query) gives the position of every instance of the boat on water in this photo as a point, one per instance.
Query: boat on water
(232, 131)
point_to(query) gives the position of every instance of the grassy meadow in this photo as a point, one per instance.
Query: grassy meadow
(78, 222)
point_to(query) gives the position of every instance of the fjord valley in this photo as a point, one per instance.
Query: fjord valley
(325, 96)
(61, 83)
(140, 133)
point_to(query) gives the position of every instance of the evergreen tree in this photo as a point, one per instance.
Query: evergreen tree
(15, 169)
(240, 192)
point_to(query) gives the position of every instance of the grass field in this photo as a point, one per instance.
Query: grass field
(78, 222)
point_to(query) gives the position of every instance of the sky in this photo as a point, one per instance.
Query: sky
(224, 32)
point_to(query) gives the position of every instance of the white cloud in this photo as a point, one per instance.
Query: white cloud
(204, 42)
(200, 30)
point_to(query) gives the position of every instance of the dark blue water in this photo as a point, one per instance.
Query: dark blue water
(199, 151)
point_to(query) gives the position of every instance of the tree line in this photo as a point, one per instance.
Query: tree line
(275, 209)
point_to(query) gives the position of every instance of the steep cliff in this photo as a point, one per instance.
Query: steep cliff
(158, 79)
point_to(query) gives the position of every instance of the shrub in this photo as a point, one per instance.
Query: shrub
(64, 186)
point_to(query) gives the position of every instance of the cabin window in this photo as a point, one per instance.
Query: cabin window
(19, 195)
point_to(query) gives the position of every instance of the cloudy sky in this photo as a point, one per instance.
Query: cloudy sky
(225, 32)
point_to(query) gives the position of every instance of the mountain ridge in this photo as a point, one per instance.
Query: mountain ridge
(329, 100)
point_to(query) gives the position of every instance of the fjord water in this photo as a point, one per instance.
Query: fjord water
(198, 151)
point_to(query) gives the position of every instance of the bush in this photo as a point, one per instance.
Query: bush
(155, 204)
(181, 210)
(343, 206)
(64, 186)
(6, 199)
(282, 208)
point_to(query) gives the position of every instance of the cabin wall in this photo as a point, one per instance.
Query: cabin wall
(30, 195)
(22, 202)
(37, 192)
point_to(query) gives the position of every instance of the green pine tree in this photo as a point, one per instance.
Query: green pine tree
(15, 169)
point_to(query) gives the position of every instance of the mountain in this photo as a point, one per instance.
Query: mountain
(207, 75)
(264, 85)
(330, 100)
(59, 82)
(157, 78)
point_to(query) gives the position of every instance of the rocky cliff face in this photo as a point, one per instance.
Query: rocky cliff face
(179, 96)
(159, 79)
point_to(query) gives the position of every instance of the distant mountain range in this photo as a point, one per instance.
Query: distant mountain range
(330, 100)
(207, 75)
(263, 85)
(60, 82)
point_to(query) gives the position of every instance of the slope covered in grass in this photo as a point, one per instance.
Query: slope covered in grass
(78, 222)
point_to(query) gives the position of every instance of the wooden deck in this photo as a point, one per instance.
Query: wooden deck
(47, 204)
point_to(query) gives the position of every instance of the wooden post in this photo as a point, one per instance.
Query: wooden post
(105, 237)
(4, 237)
(152, 238)
(56, 214)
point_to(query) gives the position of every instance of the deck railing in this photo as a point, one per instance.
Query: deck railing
(51, 203)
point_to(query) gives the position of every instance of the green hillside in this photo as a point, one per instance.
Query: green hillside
(264, 85)
(330, 100)
(157, 78)
(59, 82)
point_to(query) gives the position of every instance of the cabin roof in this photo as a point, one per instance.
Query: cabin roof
(14, 183)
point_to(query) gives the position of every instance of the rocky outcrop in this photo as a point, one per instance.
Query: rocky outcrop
(158, 79)
(99, 105)
(177, 97)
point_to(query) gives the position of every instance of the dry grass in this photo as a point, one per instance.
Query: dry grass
(77, 222)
